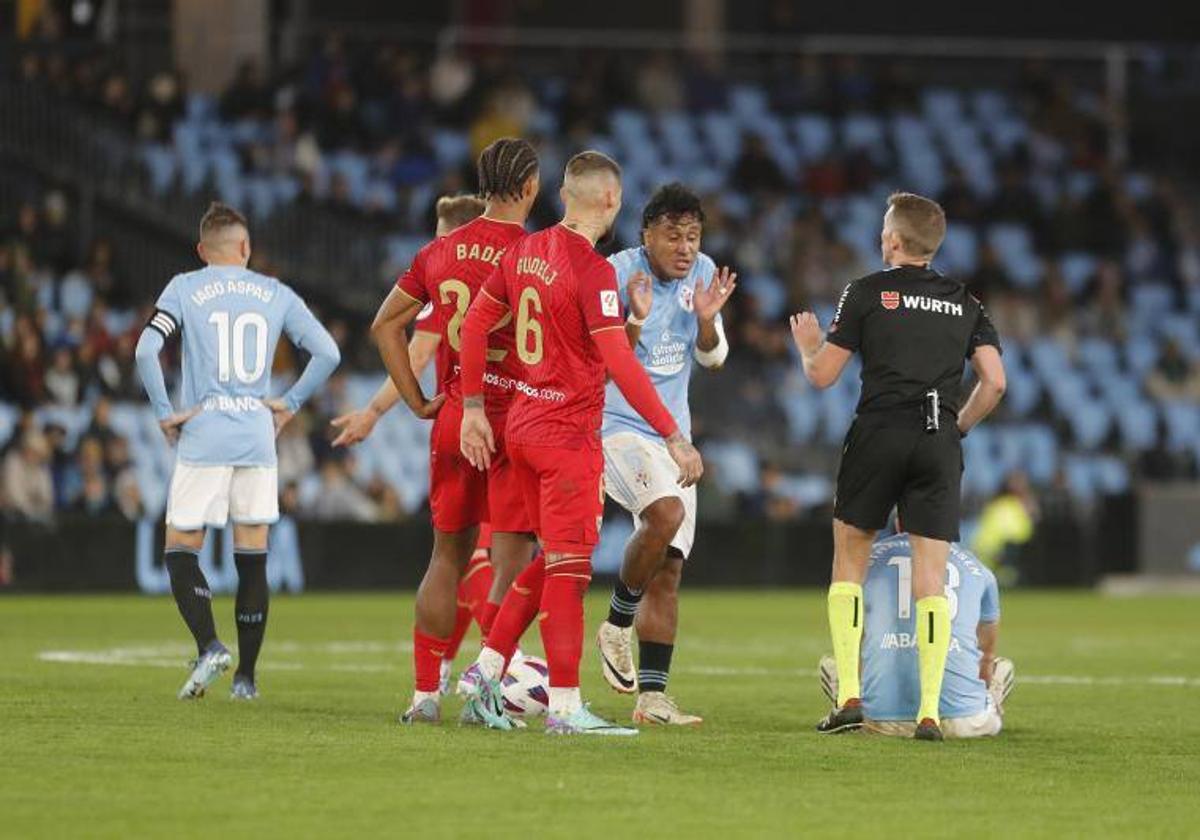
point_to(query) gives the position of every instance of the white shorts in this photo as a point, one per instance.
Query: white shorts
(639, 471)
(981, 725)
(203, 496)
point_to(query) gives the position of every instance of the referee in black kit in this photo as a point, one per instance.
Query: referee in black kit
(914, 329)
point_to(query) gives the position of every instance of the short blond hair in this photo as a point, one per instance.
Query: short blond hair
(457, 210)
(591, 161)
(218, 218)
(919, 222)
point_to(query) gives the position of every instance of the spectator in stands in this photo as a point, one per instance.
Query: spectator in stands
(26, 366)
(62, 380)
(768, 502)
(28, 483)
(657, 85)
(295, 454)
(958, 199)
(63, 469)
(93, 497)
(100, 429)
(506, 113)
(755, 171)
(1007, 521)
(162, 106)
(1175, 377)
(1106, 312)
(340, 497)
(247, 96)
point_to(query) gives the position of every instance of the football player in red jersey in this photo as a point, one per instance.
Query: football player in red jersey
(563, 298)
(448, 273)
(475, 597)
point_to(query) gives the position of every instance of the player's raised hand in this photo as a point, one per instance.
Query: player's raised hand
(641, 295)
(476, 439)
(687, 458)
(708, 301)
(280, 414)
(806, 332)
(172, 426)
(354, 427)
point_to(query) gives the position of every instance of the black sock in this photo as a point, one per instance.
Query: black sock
(654, 665)
(192, 596)
(250, 608)
(624, 605)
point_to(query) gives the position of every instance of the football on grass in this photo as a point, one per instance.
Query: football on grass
(526, 687)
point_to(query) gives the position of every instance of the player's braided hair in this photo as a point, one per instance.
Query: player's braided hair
(674, 202)
(504, 167)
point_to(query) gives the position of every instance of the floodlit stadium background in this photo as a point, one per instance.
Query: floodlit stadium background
(1060, 149)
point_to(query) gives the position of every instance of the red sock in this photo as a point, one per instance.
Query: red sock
(519, 609)
(476, 586)
(427, 660)
(462, 623)
(562, 618)
(486, 617)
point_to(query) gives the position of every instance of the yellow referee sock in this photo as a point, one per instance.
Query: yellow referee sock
(933, 643)
(845, 627)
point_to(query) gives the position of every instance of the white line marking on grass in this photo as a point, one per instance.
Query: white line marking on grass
(176, 655)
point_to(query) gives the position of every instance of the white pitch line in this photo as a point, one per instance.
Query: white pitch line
(175, 655)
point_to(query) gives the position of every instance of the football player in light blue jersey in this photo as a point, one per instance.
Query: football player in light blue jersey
(231, 320)
(976, 682)
(674, 295)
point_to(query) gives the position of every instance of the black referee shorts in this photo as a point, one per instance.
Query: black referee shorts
(891, 461)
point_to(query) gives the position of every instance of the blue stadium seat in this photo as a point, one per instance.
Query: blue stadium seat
(770, 293)
(814, 135)
(989, 105)
(800, 408)
(1023, 392)
(1007, 133)
(1137, 422)
(1014, 245)
(735, 464)
(959, 253)
(942, 106)
(161, 165)
(748, 103)
(723, 136)
(8, 422)
(1077, 269)
(450, 148)
(864, 132)
(1110, 475)
(1183, 425)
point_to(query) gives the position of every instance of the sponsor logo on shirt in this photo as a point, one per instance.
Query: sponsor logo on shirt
(234, 405)
(668, 355)
(899, 641)
(610, 306)
(894, 300)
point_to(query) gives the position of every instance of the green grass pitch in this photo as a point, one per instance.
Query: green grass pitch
(1102, 732)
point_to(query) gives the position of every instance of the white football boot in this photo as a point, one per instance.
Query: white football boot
(656, 707)
(616, 657)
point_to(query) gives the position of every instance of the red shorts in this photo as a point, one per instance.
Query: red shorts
(460, 495)
(484, 543)
(457, 491)
(564, 494)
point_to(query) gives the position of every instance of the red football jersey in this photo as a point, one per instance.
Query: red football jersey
(559, 291)
(447, 273)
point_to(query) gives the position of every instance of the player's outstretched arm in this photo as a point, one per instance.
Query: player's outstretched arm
(356, 426)
(476, 440)
(988, 391)
(987, 632)
(630, 377)
(396, 312)
(823, 361)
(712, 348)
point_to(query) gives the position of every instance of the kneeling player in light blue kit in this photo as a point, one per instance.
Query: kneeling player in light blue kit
(976, 683)
(231, 320)
(674, 295)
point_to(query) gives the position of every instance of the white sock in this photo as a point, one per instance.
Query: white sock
(491, 663)
(420, 696)
(564, 701)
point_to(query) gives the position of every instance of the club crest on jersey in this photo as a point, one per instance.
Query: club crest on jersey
(890, 300)
(610, 306)
(686, 294)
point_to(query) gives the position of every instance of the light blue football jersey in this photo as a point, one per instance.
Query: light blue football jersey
(891, 681)
(666, 345)
(231, 320)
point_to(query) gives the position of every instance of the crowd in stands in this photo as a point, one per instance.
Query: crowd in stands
(1091, 271)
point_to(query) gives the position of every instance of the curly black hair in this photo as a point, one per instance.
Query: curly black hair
(673, 201)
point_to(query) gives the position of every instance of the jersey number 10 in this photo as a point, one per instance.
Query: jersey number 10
(904, 590)
(234, 345)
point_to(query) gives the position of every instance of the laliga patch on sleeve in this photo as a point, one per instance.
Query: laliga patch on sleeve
(609, 304)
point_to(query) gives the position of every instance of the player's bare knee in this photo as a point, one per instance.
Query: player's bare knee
(250, 537)
(190, 540)
(664, 517)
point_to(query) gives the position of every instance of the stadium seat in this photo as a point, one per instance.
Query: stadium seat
(1077, 269)
(8, 422)
(735, 464)
(1183, 425)
(942, 106)
(1137, 422)
(958, 255)
(814, 135)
